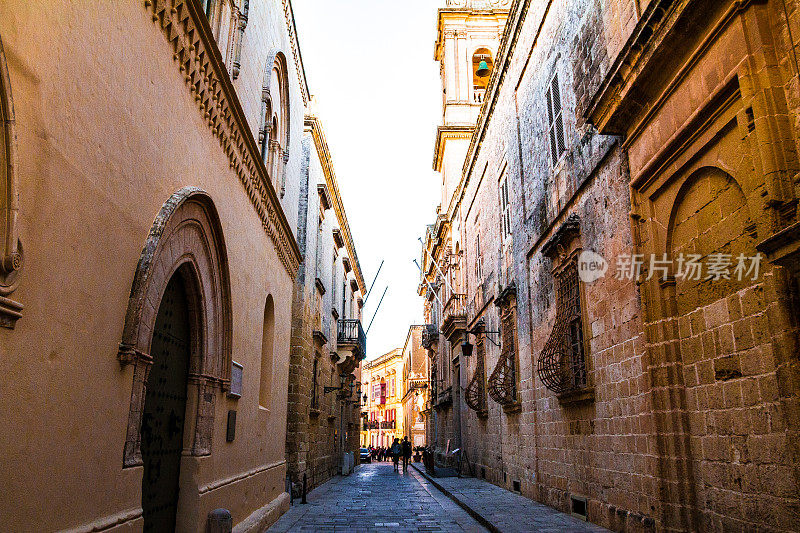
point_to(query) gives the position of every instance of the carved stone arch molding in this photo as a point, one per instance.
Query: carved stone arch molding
(10, 247)
(186, 240)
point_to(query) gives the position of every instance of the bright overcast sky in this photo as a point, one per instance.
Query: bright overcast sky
(370, 65)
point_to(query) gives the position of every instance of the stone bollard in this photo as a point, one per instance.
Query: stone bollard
(220, 521)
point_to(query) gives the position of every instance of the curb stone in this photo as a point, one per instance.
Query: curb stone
(472, 512)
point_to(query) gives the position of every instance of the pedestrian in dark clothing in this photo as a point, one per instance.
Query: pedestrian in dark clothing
(406, 453)
(396, 451)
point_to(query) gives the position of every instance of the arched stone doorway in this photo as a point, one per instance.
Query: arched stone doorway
(165, 408)
(179, 315)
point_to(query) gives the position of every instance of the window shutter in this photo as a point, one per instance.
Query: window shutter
(555, 121)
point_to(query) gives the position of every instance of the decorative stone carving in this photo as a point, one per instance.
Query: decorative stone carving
(186, 28)
(10, 247)
(186, 240)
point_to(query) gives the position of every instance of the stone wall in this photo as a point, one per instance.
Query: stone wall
(688, 415)
(320, 427)
(110, 124)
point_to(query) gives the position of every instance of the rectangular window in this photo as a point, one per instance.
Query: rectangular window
(314, 397)
(505, 207)
(478, 257)
(333, 277)
(555, 121)
(391, 387)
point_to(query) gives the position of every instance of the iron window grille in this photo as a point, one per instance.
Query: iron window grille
(475, 392)
(503, 380)
(562, 363)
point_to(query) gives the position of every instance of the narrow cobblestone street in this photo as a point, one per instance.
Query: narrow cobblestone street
(376, 499)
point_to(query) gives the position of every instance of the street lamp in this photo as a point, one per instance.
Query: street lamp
(342, 381)
(466, 346)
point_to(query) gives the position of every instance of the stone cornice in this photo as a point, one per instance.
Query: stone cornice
(616, 105)
(511, 32)
(291, 27)
(460, 13)
(196, 55)
(448, 132)
(315, 127)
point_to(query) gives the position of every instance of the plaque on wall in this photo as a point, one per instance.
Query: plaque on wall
(237, 371)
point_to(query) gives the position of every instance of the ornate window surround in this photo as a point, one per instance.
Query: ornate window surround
(10, 247)
(275, 133)
(185, 26)
(185, 239)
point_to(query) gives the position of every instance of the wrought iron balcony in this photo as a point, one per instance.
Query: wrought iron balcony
(388, 424)
(351, 337)
(430, 336)
(372, 424)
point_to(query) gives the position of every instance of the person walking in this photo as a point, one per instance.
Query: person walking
(406, 446)
(396, 451)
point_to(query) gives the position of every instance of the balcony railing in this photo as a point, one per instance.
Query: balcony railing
(456, 307)
(388, 424)
(373, 424)
(351, 335)
(454, 315)
(478, 95)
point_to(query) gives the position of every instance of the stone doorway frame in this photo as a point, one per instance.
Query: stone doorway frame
(185, 239)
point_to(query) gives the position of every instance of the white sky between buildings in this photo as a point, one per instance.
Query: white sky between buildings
(370, 66)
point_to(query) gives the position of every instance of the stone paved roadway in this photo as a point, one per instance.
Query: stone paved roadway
(376, 499)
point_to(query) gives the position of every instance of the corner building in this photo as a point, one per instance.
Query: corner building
(416, 398)
(649, 402)
(150, 173)
(383, 379)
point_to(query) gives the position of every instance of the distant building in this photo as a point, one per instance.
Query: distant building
(415, 386)
(382, 380)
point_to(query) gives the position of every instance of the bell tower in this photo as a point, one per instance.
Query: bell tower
(468, 37)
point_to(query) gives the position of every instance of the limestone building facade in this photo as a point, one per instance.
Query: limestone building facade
(382, 380)
(645, 397)
(151, 162)
(328, 340)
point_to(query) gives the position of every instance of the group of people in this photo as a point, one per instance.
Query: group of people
(397, 451)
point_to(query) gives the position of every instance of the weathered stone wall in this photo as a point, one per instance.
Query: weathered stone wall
(721, 353)
(553, 449)
(691, 422)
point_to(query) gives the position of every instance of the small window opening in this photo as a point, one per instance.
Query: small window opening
(579, 507)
